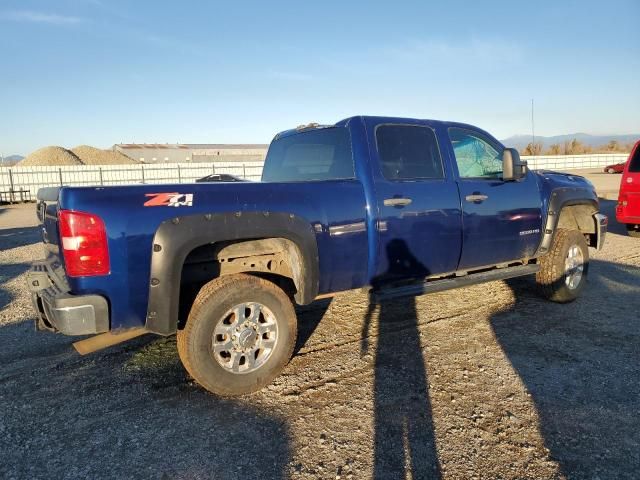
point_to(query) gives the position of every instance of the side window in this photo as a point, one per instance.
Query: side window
(634, 163)
(476, 156)
(408, 152)
(319, 154)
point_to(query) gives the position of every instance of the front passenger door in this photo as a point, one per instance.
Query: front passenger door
(501, 221)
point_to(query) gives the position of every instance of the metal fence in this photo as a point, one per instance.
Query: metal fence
(570, 162)
(18, 183)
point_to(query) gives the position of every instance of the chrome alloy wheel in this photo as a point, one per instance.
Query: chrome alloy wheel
(573, 267)
(245, 337)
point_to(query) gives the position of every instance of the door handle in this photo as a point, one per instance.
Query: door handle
(476, 198)
(397, 202)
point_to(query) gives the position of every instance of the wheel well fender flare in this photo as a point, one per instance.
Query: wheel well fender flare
(560, 199)
(175, 238)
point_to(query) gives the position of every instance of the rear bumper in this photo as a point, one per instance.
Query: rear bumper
(602, 223)
(623, 217)
(58, 310)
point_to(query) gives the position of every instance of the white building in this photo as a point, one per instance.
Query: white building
(190, 152)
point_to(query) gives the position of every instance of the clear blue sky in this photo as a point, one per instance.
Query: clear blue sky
(104, 71)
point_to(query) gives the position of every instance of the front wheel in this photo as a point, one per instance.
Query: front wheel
(611, 170)
(633, 230)
(240, 334)
(563, 271)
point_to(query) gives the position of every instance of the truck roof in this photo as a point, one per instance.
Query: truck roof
(380, 119)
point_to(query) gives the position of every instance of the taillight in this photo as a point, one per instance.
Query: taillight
(84, 244)
(622, 200)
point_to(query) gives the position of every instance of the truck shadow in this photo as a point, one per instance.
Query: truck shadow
(309, 317)
(583, 371)
(14, 238)
(8, 272)
(19, 237)
(404, 432)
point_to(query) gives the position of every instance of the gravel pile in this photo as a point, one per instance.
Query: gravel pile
(96, 156)
(80, 155)
(50, 156)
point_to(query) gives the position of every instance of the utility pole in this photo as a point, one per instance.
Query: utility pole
(533, 134)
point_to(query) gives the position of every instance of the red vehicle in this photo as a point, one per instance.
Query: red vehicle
(616, 168)
(628, 208)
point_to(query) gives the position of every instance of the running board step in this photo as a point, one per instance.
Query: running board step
(433, 286)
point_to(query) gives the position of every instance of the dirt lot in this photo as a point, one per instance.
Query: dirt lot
(486, 382)
(607, 184)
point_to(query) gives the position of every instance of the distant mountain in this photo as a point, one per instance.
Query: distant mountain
(521, 141)
(12, 159)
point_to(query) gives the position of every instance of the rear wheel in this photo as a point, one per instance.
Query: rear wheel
(563, 271)
(633, 230)
(239, 335)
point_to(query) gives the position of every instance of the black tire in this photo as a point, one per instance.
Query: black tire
(552, 277)
(633, 230)
(611, 170)
(210, 310)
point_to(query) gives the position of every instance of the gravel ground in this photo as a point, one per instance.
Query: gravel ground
(486, 382)
(607, 184)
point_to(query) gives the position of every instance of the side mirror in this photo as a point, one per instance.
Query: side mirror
(512, 167)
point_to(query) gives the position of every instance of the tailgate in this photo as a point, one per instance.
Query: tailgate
(47, 210)
(632, 208)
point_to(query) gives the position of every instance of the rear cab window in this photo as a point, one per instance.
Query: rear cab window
(477, 155)
(408, 152)
(313, 155)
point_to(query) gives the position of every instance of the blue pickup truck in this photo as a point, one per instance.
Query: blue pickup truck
(399, 206)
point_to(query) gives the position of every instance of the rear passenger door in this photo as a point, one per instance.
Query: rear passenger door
(502, 221)
(419, 218)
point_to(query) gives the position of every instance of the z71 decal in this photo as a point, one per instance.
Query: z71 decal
(171, 199)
